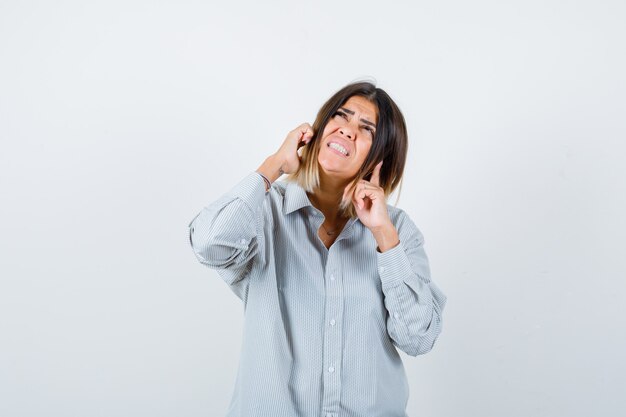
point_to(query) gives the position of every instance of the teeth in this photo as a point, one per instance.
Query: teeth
(339, 148)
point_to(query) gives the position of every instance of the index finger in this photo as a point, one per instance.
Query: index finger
(375, 179)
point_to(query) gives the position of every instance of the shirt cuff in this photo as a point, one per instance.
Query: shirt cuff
(251, 189)
(393, 266)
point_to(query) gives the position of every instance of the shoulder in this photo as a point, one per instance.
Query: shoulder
(406, 227)
(276, 194)
(276, 198)
(278, 189)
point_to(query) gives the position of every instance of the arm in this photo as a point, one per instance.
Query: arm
(226, 235)
(415, 304)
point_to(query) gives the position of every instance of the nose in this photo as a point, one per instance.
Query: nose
(347, 132)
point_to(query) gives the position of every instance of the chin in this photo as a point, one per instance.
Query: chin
(330, 166)
(330, 161)
(335, 170)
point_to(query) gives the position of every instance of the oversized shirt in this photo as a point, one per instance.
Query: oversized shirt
(321, 326)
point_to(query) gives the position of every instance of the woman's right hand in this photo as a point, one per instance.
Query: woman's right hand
(288, 151)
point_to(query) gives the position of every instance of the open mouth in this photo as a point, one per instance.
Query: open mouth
(338, 149)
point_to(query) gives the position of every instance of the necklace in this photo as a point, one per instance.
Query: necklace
(331, 232)
(334, 232)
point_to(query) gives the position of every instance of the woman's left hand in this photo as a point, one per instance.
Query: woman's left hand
(370, 205)
(369, 202)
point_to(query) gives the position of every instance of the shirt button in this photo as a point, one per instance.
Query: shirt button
(382, 269)
(242, 241)
(396, 315)
(331, 369)
(332, 322)
(332, 277)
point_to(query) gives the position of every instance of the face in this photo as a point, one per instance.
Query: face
(347, 138)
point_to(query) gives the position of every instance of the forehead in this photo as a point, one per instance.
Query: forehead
(363, 106)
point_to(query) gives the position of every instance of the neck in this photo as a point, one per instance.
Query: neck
(327, 197)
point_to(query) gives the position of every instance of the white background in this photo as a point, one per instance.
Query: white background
(120, 120)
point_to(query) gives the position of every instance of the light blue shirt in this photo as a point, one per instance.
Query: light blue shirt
(321, 325)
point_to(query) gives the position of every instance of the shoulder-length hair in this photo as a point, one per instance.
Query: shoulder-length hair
(390, 144)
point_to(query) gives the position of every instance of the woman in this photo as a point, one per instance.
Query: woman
(332, 278)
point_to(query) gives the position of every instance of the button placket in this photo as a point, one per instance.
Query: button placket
(332, 337)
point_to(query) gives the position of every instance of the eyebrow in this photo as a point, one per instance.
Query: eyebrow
(352, 113)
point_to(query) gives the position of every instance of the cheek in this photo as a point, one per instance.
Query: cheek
(331, 126)
(363, 152)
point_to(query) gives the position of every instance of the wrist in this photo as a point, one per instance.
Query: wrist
(386, 237)
(271, 168)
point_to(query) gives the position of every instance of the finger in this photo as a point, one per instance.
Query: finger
(357, 198)
(369, 185)
(302, 130)
(303, 141)
(353, 193)
(367, 190)
(358, 203)
(305, 136)
(306, 129)
(362, 193)
(375, 179)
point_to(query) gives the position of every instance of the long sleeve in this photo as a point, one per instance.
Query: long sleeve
(226, 235)
(415, 303)
(321, 335)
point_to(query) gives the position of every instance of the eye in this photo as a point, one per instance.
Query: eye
(342, 114)
(370, 130)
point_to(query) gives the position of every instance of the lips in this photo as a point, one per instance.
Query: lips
(342, 143)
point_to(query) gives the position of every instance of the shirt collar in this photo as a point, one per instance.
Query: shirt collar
(295, 198)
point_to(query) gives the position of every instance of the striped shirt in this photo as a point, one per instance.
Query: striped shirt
(321, 325)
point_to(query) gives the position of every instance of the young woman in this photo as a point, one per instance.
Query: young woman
(333, 279)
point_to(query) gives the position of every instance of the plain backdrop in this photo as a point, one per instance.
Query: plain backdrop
(121, 120)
